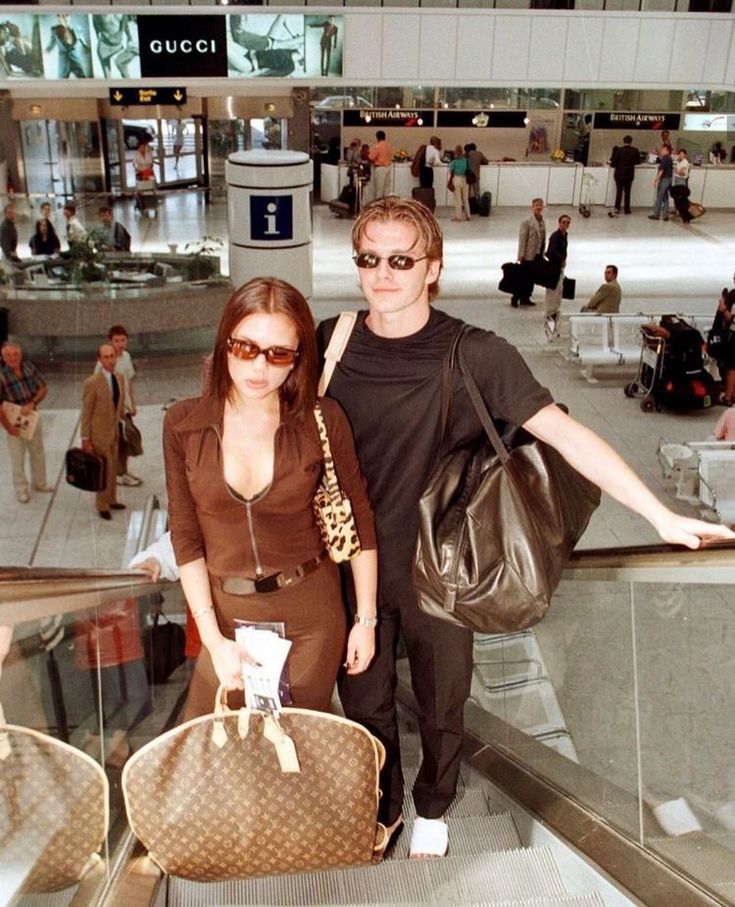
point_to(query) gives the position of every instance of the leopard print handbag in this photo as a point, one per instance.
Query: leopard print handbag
(332, 508)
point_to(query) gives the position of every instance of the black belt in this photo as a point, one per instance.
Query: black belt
(243, 585)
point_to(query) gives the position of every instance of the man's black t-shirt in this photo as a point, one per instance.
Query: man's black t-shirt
(391, 391)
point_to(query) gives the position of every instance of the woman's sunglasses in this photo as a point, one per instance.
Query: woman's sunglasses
(247, 350)
(369, 261)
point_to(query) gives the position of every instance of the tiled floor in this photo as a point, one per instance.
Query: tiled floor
(664, 267)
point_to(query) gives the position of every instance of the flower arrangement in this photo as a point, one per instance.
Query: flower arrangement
(400, 155)
(558, 155)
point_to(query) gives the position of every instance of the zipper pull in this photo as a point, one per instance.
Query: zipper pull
(450, 598)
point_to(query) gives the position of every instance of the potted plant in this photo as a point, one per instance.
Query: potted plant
(203, 258)
(87, 260)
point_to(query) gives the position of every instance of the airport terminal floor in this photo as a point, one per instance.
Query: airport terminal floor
(664, 267)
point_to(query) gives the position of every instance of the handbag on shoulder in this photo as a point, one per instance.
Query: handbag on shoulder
(332, 507)
(237, 794)
(496, 526)
(129, 438)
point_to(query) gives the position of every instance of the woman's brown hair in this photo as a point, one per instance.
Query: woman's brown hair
(274, 297)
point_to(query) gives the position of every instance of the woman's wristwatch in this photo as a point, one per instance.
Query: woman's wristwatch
(366, 621)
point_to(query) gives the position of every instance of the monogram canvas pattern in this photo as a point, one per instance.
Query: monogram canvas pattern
(208, 813)
(332, 508)
(53, 809)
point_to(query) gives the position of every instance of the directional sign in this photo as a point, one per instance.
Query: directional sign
(147, 97)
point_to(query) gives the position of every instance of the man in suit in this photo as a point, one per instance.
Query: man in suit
(531, 242)
(623, 161)
(103, 406)
(606, 299)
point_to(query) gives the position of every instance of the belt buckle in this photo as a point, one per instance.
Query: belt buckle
(238, 585)
(265, 584)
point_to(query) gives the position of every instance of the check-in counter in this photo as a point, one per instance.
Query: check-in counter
(516, 183)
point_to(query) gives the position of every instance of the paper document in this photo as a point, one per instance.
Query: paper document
(25, 422)
(266, 684)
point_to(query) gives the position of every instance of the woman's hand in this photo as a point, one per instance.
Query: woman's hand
(682, 530)
(227, 660)
(360, 649)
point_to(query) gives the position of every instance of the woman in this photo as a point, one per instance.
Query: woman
(143, 161)
(458, 183)
(44, 241)
(721, 344)
(242, 465)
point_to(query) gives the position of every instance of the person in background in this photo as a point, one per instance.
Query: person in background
(381, 157)
(531, 241)
(22, 384)
(457, 182)
(44, 240)
(243, 464)
(431, 157)
(606, 299)
(103, 406)
(118, 337)
(556, 253)
(9, 236)
(475, 159)
(179, 138)
(75, 231)
(143, 161)
(623, 162)
(680, 185)
(113, 235)
(724, 326)
(662, 182)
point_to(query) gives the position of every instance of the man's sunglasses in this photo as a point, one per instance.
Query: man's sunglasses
(369, 261)
(247, 350)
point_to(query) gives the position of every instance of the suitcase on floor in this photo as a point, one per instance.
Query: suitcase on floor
(296, 793)
(696, 210)
(344, 206)
(427, 197)
(485, 204)
(86, 471)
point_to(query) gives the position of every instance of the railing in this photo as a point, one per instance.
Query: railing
(637, 747)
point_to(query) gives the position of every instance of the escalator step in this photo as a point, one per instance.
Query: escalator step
(494, 878)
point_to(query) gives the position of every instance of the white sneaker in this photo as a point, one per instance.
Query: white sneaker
(130, 480)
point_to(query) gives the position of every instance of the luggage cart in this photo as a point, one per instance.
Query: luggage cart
(146, 197)
(671, 370)
(650, 368)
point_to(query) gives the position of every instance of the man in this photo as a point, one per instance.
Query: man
(46, 215)
(556, 253)
(9, 236)
(22, 384)
(431, 157)
(662, 181)
(531, 241)
(680, 185)
(103, 405)
(389, 382)
(118, 337)
(75, 232)
(606, 300)
(327, 42)
(381, 157)
(475, 159)
(623, 162)
(113, 235)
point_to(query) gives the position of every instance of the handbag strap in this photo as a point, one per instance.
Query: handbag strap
(330, 483)
(476, 397)
(335, 349)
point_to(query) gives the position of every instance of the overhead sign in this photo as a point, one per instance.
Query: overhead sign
(390, 117)
(119, 47)
(146, 97)
(709, 122)
(482, 119)
(637, 121)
